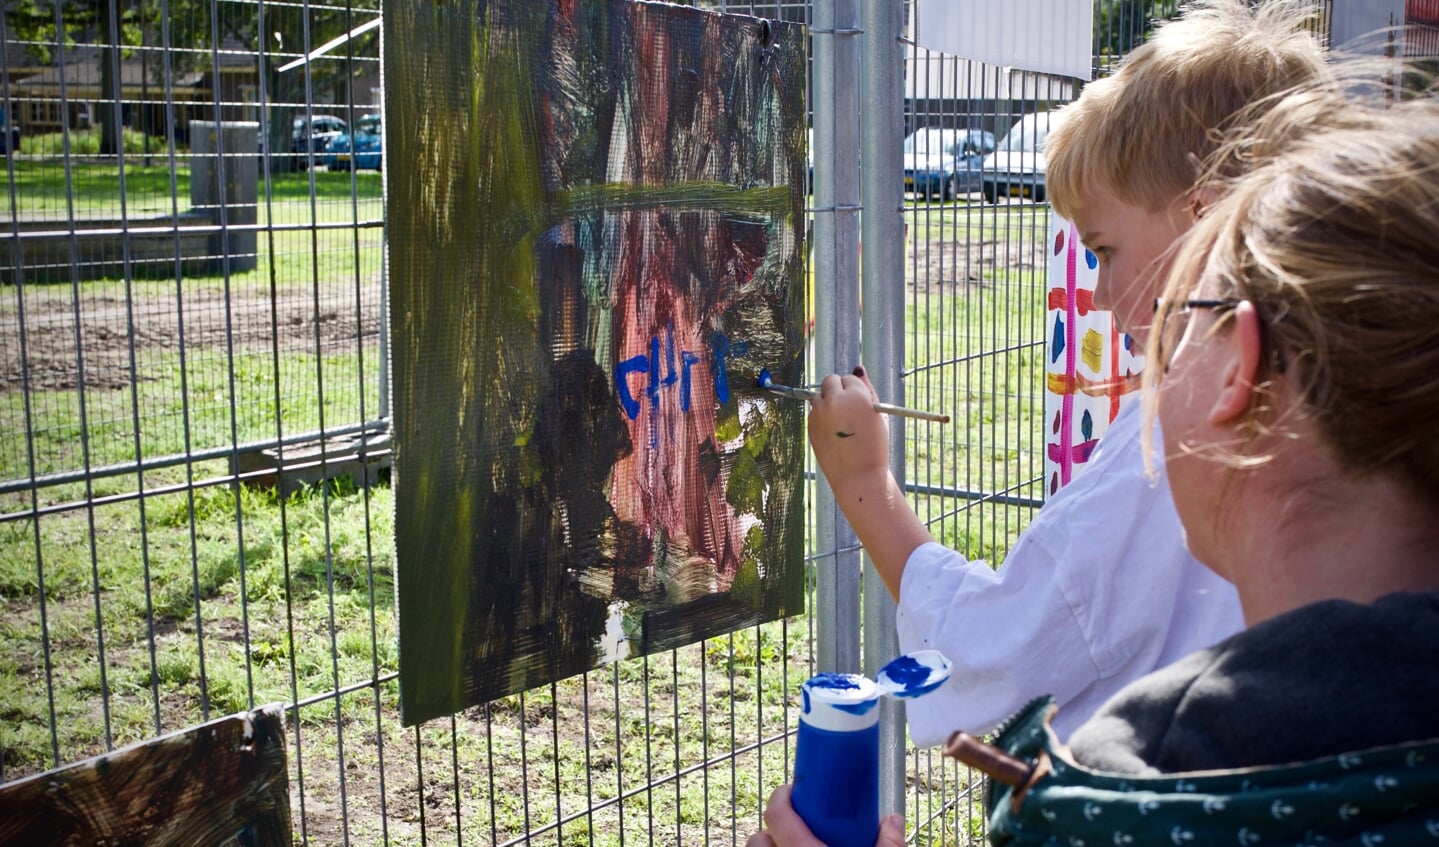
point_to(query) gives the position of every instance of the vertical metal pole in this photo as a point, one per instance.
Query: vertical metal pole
(882, 273)
(836, 279)
(384, 410)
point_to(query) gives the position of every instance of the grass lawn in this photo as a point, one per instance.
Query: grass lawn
(171, 366)
(40, 191)
(137, 615)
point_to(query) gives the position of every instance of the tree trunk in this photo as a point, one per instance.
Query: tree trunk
(278, 140)
(109, 105)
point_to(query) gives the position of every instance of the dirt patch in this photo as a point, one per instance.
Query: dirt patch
(952, 266)
(112, 327)
(296, 319)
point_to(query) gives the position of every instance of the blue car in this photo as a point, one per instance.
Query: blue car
(945, 163)
(360, 149)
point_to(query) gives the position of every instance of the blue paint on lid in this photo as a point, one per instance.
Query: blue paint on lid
(765, 380)
(861, 708)
(835, 681)
(914, 674)
(907, 672)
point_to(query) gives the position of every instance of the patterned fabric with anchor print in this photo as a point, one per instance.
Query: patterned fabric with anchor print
(1373, 798)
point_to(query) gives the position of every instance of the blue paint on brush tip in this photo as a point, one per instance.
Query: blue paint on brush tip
(764, 380)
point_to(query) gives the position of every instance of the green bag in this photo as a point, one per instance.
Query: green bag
(1384, 797)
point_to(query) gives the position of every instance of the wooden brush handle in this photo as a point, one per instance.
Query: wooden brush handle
(993, 761)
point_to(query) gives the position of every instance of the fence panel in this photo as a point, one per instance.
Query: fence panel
(172, 344)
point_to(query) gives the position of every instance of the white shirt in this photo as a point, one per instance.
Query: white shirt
(1098, 591)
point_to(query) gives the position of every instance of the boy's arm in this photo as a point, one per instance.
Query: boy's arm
(851, 443)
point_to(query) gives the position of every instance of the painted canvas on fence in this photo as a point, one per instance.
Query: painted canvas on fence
(595, 219)
(1091, 368)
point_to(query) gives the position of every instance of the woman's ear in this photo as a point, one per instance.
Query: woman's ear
(1241, 364)
(1198, 201)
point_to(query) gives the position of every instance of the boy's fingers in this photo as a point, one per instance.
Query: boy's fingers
(760, 839)
(861, 380)
(863, 376)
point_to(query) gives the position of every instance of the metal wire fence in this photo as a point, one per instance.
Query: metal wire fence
(192, 312)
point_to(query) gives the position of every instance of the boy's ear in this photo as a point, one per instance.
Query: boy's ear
(1244, 351)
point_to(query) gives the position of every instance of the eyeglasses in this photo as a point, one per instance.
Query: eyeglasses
(1276, 355)
(1169, 334)
(1186, 306)
(1190, 305)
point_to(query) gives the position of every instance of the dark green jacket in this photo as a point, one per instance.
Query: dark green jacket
(1384, 797)
(1306, 727)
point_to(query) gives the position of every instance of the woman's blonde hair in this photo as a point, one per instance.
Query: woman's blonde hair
(1143, 131)
(1333, 235)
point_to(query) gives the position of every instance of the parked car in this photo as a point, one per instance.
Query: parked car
(945, 162)
(358, 150)
(9, 133)
(1016, 167)
(313, 135)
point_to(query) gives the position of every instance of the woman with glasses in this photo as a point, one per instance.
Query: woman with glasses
(1298, 397)
(1299, 403)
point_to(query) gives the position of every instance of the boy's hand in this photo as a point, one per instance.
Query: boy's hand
(850, 441)
(849, 438)
(787, 829)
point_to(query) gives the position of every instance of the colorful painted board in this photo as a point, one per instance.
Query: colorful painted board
(595, 217)
(1091, 368)
(223, 783)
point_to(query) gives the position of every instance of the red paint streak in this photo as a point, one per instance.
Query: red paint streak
(663, 486)
(671, 276)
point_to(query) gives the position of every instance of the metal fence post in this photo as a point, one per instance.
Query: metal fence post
(836, 280)
(882, 275)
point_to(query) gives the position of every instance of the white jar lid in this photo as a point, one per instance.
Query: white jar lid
(840, 702)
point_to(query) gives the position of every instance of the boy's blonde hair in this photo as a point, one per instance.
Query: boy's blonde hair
(1143, 131)
(1334, 237)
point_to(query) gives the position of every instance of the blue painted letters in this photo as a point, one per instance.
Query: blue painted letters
(662, 374)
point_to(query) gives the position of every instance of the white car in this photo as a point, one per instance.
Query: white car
(1016, 167)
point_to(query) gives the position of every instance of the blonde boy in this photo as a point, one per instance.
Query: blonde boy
(1100, 589)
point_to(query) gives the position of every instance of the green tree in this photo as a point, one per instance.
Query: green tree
(1121, 25)
(287, 36)
(53, 27)
(275, 32)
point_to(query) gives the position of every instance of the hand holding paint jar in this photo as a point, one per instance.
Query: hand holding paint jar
(836, 766)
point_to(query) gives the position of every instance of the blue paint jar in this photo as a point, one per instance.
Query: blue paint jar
(836, 763)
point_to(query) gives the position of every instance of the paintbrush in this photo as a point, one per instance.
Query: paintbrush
(767, 382)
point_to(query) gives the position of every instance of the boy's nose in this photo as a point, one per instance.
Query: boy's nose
(1103, 291)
